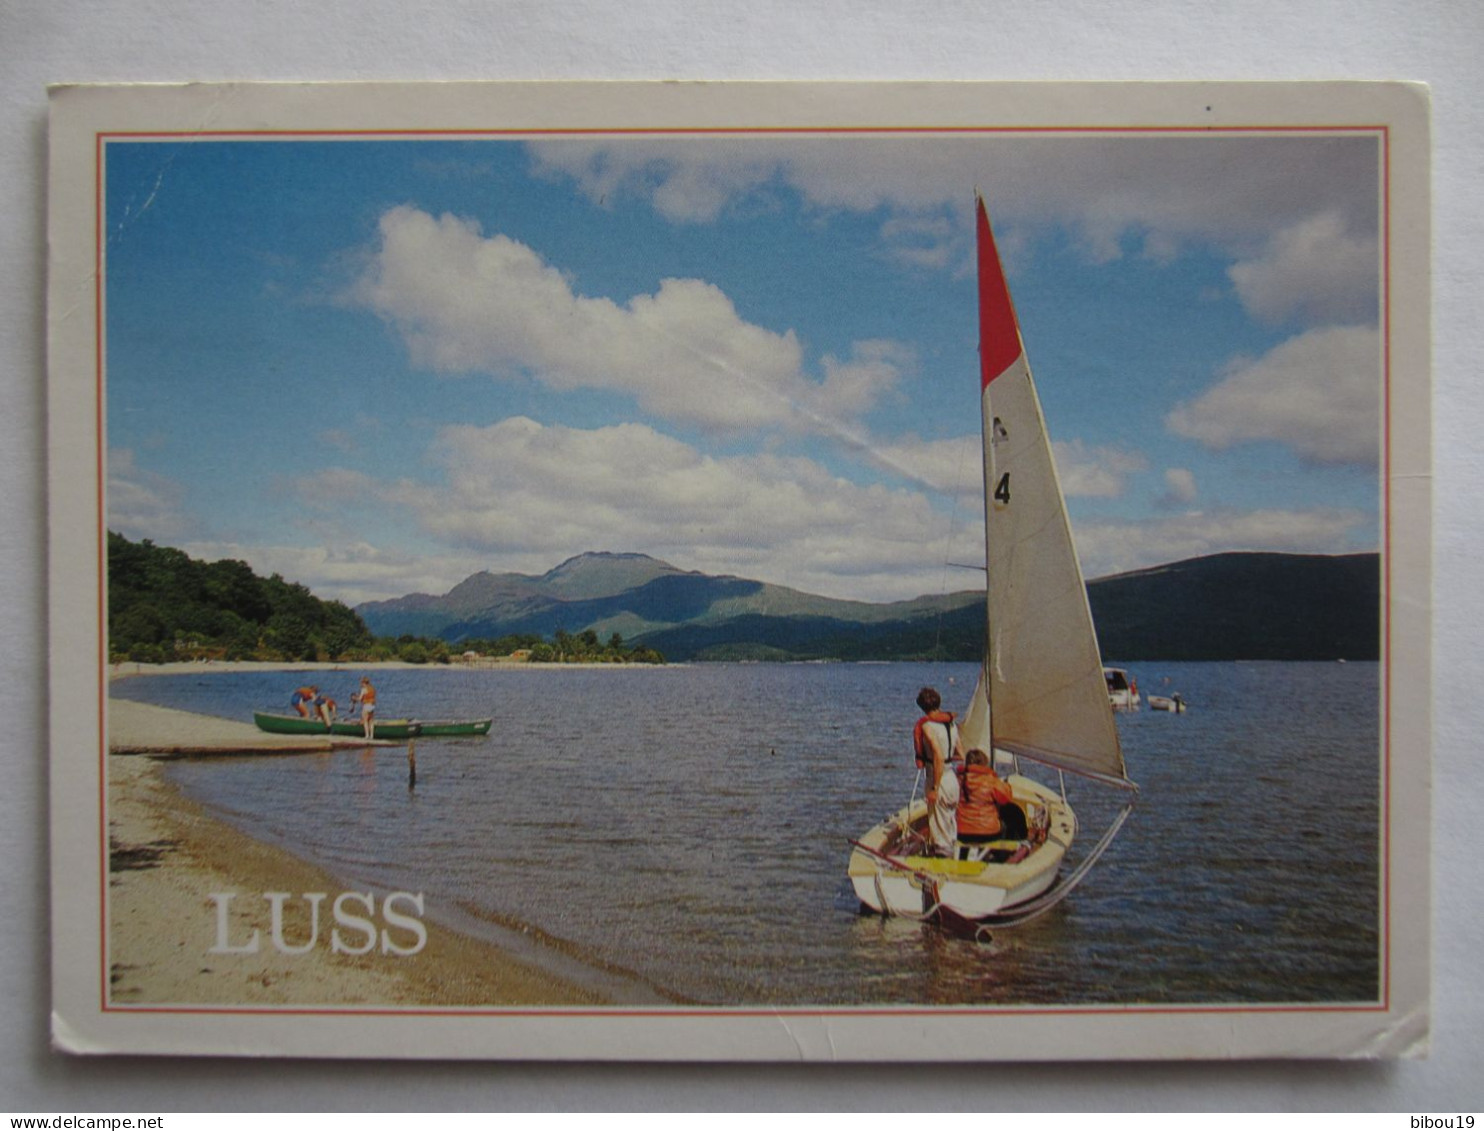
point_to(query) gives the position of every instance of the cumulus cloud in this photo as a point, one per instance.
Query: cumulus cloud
(465, 303)
(142, 503)
(950, 467)
(1318, 393)
(681, 190)
(1180, 489)
(1094, 471)
(954, 466)
(1163, 193)
(521, 492)
(1107, 548)
(348, 571)
(1315, 270)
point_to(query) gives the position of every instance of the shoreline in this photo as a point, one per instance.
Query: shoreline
(168, 854)
(130, 668)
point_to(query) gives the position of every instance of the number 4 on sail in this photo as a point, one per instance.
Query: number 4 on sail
(1041, 695)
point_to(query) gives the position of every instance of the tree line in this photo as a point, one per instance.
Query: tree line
(164, 605)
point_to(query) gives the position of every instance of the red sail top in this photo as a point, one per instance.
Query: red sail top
(999, 334)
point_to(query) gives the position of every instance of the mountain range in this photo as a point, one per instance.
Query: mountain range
(1233, 606)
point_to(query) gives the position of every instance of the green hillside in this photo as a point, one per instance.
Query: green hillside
(165, 605)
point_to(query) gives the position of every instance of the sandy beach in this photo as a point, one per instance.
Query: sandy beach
(168, 855)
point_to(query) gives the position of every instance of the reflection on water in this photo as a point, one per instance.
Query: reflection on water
(690, 825)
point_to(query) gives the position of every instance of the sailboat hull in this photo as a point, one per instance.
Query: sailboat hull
(891, 877)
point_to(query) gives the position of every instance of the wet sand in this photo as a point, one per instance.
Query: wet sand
(168, 855)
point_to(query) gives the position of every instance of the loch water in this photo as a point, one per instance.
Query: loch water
(680, 834)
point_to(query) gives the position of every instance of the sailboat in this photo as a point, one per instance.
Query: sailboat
(1041, 696)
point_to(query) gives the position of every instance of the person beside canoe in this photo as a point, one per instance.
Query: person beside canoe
(327, 709)
(366, 698)
(936, 744)
(303, 699)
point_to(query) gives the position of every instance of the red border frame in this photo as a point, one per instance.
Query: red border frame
(1381, 132)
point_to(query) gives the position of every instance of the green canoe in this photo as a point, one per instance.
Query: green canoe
(390, 729)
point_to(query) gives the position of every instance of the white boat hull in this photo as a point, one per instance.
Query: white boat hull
(1123, 691)
(890, 879)
(1162, 703)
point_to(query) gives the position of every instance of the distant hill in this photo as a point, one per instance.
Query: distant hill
(1243, 606)
(640, 597)
(1224, 607)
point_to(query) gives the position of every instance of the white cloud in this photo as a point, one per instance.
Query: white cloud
(1318, 393)
(681, 190)
(954, 466)
(1108, 548)
(1163, 192)
(950, 467)
(464, 303)
(1316, 270)
(525, 496)
(1180, 488)
(143, 504)
(352, 572)
(1100, 472)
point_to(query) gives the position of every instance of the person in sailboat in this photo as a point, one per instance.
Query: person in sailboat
(936, 744)
(983, 796)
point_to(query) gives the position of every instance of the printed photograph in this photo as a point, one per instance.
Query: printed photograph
(723, 571)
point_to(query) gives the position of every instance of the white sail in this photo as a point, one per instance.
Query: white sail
(1043, 676)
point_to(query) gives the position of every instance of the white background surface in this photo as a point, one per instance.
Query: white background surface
(48, 41)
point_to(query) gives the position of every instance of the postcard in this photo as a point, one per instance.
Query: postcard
(754, 571)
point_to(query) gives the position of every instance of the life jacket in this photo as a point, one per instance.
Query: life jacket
(304, 695)
(981, 793)
(920, 747)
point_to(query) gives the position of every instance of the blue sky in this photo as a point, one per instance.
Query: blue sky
(377, 366)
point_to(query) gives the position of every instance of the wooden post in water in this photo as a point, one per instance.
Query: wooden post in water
(412, 763)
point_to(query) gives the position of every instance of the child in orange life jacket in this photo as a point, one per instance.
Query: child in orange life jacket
(982, 792)
(935, 742)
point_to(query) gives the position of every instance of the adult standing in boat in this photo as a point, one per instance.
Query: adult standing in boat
(936, 743)
(366, 697)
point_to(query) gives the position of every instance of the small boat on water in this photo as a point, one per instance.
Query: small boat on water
(390, 729)
(1123, 689)
(1173, 703)
(1041, 698)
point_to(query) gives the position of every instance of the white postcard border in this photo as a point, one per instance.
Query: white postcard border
(81, 115)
